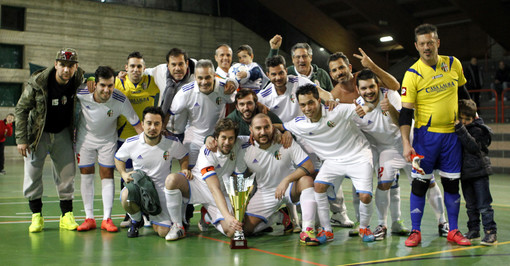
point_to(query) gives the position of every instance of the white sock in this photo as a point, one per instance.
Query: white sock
(308, 208)
(395, 204)
(338, 205)
(87, 194)
(108, 190)
(137, 217)
(355, 203)
(293, 214)
(173, 204)
(436, 201)
(184, 207)
(382, 200)
(323, 210)
(365, 213)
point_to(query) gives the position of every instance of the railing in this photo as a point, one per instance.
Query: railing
(503, 107)
(495, 107)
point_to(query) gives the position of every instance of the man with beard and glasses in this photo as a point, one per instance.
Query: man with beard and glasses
(97, 138)
(152, 153)
(206, 186)
(44, 125)
(283, 177)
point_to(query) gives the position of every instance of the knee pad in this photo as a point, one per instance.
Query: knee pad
(450, 185)
(420, 186)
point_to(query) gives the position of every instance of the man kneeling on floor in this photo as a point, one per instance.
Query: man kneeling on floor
(283, 176)
(152, 156)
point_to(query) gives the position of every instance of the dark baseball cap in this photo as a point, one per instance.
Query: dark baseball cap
(67, 54)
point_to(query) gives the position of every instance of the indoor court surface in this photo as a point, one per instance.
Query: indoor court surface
(56, 247)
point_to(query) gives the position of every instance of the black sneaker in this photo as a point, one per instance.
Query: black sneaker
(133, 228)
(380, 232)
(443, 229)
(472, 235)
(489, 239)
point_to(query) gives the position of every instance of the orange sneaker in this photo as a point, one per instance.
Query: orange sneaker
(109, 226)
(88, 224)
(414, 239)
(456, 236)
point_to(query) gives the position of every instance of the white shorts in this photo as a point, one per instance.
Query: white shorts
(263, 204)
(87, 152)
(332, 173)
(200, 194)
(390, 161)
(163, 218)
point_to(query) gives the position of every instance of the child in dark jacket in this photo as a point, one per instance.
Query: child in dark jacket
(475, 137)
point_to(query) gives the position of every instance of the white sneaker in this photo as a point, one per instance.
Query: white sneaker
(341, 220)
(146, 221)
(176, 232)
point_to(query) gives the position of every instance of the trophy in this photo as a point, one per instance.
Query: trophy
(239, 188)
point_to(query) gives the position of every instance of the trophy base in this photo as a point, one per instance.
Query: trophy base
(238, 244)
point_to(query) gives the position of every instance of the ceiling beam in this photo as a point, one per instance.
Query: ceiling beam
(323, 29)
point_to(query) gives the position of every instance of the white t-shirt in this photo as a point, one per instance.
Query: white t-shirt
(379, 128)
(222, 165)
(155, 161)
(203, 110)
(334, 136)
(285, 106)
(272, 165)
(98, 121)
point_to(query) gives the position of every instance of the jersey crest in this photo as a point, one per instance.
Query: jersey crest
(277, 155)
(219, 100)
(444, 67)
(331, 123)
(109, 113)
(165, 155)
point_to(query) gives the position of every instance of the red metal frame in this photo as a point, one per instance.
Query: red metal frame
(503, 107)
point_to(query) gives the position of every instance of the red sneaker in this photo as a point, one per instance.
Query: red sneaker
(414, 239)
(88, 224)
(456, 236)
(109, 226)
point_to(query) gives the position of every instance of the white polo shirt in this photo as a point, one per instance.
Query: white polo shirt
(98, 121)
(155, 161)
(222, 165)
(334, 136)
(203, 110)
(379, 128)
(272, 165)
(285, 106)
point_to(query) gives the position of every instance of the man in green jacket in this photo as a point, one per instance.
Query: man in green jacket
(44, 117)
(302, 59)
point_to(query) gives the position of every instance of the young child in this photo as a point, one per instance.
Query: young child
(249, 74)
(475, 137)
(5, 131)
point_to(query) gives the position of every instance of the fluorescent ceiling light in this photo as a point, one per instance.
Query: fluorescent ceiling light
(386, 39)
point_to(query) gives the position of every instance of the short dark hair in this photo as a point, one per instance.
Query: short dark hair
(275, 61)
(225, 124)
(425, 29)
(135, 54)
(366, 74)
(104, 72)
(175, 52)
(153, 110)
(246, 48)
(336, 56)
(467, 108)
(308, 89)
(244, 92)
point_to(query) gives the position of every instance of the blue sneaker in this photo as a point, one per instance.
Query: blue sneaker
(366, 235)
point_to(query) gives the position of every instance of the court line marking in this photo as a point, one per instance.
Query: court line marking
(264, 251)
(420, 255)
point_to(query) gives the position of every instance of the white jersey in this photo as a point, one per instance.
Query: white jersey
(155, 161)
(203, 110)
(285, 106)
(98, 121)
(221, 74)
(255, 78)
(378, 127)
(272, 165)
(222, 165)
(334, 136)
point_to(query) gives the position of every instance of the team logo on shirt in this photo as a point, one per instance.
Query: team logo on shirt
(331, 123)
(404, 91)
(63, 100)
(144, 85)
(277, 155)
(232, 156)
(219, 100)
(292, 98)
(444, 67)
(139, 157)
(165, 155)
(109, 113)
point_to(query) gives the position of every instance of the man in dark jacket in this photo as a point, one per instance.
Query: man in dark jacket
(475, 137)
(44, 117)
